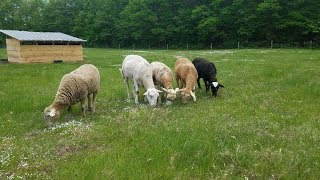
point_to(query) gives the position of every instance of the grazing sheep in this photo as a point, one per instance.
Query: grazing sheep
(140, 71)
(74, 87)
(187, 74)
(162, 77)
(207, 71)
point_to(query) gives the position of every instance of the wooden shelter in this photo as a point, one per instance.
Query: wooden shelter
(42, 47)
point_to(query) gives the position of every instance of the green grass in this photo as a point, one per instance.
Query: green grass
(264, 124)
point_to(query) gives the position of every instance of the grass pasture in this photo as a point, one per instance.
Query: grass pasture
(265, 123)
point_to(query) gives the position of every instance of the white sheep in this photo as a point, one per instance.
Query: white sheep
(187, 75)
(162, 77)
(139, 70)
(75, 87)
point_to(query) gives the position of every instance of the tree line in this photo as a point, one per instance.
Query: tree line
(157, 23)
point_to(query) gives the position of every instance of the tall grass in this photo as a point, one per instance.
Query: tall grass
(264, 124)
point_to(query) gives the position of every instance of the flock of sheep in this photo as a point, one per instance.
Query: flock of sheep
(84, 83)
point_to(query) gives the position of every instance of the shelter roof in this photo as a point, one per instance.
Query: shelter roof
(40, 36)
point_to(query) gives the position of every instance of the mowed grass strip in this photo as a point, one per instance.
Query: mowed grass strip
(264, 124)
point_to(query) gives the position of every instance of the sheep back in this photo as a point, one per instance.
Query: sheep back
(186, 72)
(76, 85)
(206, 69)
(162, 74)
(137, 68)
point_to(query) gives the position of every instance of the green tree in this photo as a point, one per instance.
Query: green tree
(32, 11)
(10, 16)
(136, 23)
(161, 22)
(59, 15)
(300, 20)
(269, 17)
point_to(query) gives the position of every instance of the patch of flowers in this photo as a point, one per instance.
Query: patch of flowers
(76, 125)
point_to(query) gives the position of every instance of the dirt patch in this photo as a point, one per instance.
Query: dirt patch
(69, 149)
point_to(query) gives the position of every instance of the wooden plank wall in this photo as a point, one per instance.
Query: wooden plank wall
(13, 50)
(48, 53)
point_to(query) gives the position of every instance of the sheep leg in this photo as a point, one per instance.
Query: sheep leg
(177, 80)
(89, 103)
(159, 97)
(206, 83)
(69, 116)
(127, 84)
(135, 91)
(83, 107)
(145, 99)
(94, 95)
(183, 84)
(198, 81)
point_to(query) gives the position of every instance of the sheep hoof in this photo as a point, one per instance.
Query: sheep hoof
(169, 103)
(91, 110)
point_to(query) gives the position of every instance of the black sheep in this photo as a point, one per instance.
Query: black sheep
(207, 71)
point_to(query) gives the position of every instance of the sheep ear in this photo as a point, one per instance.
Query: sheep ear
(159, 91)
(52, 112)
(178, 90)
(215, 84)
(165, 90)
(145, 93)
(193, 96)
(221, 85)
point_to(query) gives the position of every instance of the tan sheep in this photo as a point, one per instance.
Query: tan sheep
(75, 87)
(162, 77)
(186, 75)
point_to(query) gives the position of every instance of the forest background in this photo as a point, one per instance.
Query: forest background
(194, 24)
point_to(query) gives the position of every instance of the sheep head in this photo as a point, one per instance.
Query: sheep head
(214, 88)
(51, 115)
(171, 93)
(152, 96)
(187, 95)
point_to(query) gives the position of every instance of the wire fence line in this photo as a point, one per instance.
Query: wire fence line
(211, 46)
(206, 46)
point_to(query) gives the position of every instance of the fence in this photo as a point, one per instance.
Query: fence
(312, 44)
(239, 45)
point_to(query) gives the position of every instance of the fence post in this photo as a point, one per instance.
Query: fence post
(133, 47)
(211, 46)
(187, 46)
(238, 44)
(167, 46)
(310, 44)
(271, 44)
(119, 46)
(149, 47)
